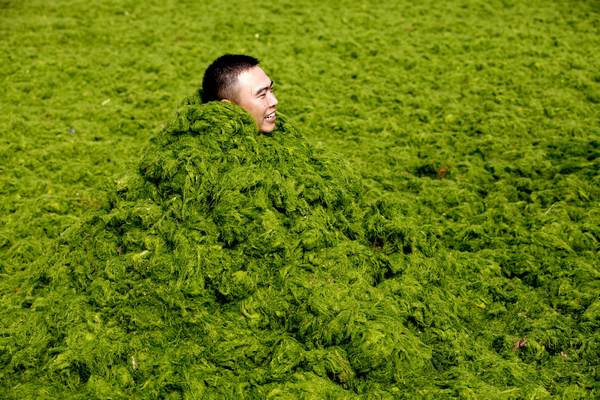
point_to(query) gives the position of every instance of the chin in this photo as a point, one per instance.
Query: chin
(267, 128)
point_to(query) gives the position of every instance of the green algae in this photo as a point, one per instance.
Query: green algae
(236, 244)
(472, 126)
(243, 265)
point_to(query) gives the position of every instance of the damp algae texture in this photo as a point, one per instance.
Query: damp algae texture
(424, 222)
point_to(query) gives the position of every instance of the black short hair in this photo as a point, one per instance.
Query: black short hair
(220, 76)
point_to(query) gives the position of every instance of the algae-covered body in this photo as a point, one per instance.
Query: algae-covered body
(235, 264)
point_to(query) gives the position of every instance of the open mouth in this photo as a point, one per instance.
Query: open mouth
(270, 117)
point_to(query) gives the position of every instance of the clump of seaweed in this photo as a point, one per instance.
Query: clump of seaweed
(235, 264)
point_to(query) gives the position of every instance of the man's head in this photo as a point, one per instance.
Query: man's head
(239, 79)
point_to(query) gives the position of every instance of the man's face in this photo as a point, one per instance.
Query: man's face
(255, 95)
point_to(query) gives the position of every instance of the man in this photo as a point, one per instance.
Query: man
(239, 79)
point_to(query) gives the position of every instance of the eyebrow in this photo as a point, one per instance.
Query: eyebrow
(264, 89)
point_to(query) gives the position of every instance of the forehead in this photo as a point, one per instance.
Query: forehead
(252, 80)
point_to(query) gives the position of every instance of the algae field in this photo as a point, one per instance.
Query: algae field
(422, 224)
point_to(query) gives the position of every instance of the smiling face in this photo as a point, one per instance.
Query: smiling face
(255, 95)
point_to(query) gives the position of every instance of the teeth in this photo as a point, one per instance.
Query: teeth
(270, 116)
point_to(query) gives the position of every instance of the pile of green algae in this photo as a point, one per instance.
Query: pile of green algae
(236, 264)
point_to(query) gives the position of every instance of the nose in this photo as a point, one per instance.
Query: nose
(272, 100)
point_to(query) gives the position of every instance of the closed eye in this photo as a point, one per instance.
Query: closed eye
(262, 92)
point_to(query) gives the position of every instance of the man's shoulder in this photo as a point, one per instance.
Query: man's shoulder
(215, 117)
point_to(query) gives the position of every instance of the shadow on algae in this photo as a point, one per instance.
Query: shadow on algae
(238, 265)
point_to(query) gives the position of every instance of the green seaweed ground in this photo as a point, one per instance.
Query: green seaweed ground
(426, 224)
